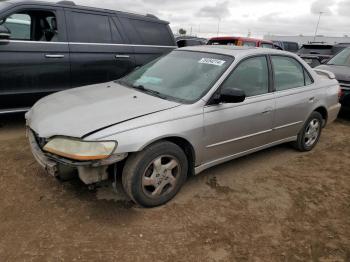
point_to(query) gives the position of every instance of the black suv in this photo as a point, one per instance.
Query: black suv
(48, 47)
(316, 54)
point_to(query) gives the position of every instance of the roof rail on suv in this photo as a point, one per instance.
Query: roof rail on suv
(66, 3)
(151, 16)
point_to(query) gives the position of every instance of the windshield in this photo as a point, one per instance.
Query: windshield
(341, 59)
(182, 76)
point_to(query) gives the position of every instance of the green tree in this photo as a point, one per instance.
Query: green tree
(182, 31)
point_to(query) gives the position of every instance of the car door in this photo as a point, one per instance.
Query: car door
(232, 129)
(295, 94)
(97, 48)
(150, 38)
(35, 61)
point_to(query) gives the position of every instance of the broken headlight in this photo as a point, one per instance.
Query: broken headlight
(80, 150)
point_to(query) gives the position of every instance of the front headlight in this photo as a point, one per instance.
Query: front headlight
(80, 150)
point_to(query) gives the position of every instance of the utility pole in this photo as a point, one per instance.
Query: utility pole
(219, 20)
(318, 23)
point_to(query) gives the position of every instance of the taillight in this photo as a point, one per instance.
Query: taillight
(340, 93)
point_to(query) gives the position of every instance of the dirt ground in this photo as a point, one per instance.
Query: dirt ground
(275, 205)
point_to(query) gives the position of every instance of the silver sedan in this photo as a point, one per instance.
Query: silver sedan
(179, 115)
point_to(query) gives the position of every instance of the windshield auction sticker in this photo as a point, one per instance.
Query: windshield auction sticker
(211, 61)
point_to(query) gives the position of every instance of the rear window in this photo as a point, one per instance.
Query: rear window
(89, 28)
(152, 33)
(223, 42)
(266, 45)
(249, 44)
(291, 47)
(316, 49)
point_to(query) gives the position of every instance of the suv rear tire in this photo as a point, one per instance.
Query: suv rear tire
(155, 175)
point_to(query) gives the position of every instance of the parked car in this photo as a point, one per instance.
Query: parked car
(47, 47)
(340, 47)
(340, 66)
(316, 54)
(241, 41)
(183, 41)
(190, 110)
(287, 45)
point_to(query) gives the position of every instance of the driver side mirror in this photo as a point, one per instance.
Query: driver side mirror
(4, 33)
(232, 95)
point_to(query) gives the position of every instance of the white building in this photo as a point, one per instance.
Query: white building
(301, 39)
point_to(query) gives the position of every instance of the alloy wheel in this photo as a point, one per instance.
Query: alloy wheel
(312, 132)
(160, 176)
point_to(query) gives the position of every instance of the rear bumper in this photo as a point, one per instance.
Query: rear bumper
(333, 112)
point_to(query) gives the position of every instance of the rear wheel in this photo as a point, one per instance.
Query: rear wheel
(154, 176)
(310, 133)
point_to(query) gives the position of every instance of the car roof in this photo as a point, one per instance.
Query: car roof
(235, 51)
(282, 41)
(315, 45)
(239, 38)
(71, 4)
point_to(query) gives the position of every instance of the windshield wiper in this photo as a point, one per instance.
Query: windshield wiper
(149, 91)
(142, 89)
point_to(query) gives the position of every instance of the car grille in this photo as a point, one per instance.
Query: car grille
(344, 84)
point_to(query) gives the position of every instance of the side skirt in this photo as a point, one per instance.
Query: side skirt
(205, 166)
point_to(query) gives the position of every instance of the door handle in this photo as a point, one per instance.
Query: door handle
(54, 56)
(267, 111)
(121, 56)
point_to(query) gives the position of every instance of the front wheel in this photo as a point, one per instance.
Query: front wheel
(310, 133)
(154, 176)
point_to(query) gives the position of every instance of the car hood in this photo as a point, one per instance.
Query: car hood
(342, 73)
(80, 111)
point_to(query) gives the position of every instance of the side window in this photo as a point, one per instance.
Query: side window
(288, 73)
(116, 37)
(251, 76)
(33, 25)
(19, 26)
(89, 28)
(252, 44)
(152, 33)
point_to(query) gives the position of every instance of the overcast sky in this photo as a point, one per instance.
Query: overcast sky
(238, 17)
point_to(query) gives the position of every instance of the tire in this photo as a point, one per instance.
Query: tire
(310, 133)
(155, 175)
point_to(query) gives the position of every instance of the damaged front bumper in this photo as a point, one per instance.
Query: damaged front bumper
(90, 172)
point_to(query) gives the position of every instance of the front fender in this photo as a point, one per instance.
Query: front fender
(137, 134)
